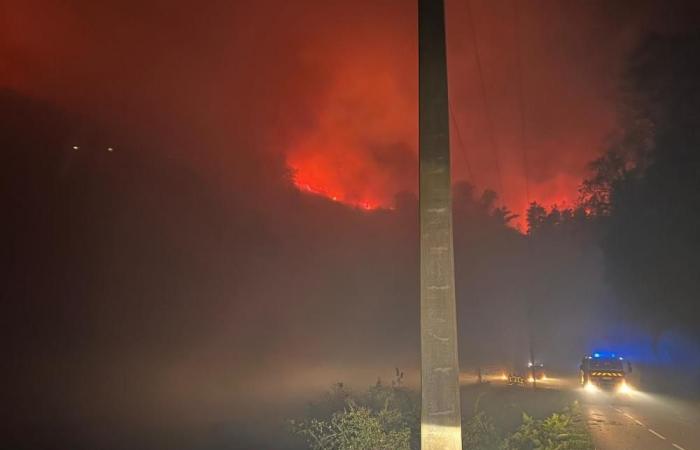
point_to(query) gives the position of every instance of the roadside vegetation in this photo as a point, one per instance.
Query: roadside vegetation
(388, 418)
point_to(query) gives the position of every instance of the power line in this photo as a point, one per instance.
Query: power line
(521, 102)
(461, 144)
(463, 148)
(487, 110)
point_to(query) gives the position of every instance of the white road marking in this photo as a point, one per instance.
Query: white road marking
(656, 434)
(630, 417)
(649, 429)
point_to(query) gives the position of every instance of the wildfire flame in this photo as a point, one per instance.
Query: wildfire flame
(308, 185)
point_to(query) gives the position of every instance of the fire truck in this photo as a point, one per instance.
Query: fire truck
(602, 370)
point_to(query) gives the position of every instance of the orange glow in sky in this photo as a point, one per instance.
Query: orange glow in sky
(360, 149)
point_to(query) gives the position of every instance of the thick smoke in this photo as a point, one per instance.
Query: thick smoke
(181, 283)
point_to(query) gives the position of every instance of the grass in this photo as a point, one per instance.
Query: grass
(505, 405)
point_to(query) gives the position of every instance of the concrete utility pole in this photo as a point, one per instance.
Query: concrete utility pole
(440, 412)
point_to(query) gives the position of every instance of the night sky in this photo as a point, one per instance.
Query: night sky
(252, 233)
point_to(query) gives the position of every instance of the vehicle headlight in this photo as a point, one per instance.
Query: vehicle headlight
(590, 387)
(624, 388)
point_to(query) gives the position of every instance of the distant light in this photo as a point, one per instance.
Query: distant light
(621, 358)
(75, 147)
(597, 355)
(530, 380)
(110, 149)
(529, 364)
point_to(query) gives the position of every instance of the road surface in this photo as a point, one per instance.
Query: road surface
(635, 421)
(641, 421)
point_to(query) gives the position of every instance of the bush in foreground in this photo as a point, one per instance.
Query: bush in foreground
(560, 431)
(357, 427)
(388, 418)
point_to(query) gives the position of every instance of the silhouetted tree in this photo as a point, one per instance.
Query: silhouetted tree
(648, 186)
(536, 217)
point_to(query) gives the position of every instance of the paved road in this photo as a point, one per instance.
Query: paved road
(635, 421)
(642, 421)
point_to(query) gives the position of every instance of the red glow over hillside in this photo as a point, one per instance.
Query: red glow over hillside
(315, 184)
(359, 146)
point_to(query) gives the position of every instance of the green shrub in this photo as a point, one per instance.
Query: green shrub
(560, 431)
(382, 418)
(479, 432)
(355, 428)
(403, 401)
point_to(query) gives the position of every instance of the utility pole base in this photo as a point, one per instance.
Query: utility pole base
(439, 437)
